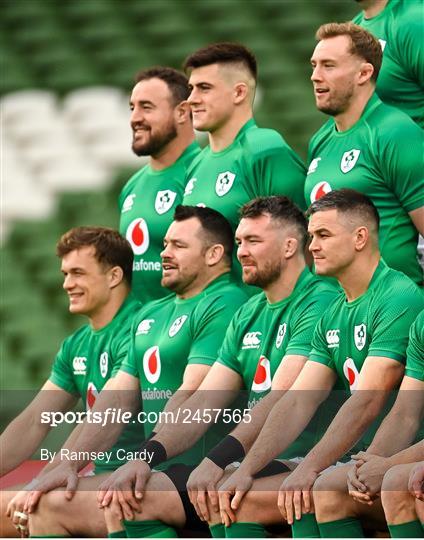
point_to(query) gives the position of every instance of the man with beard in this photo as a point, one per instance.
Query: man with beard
(162, 129)
(266, 345)
(366, 144)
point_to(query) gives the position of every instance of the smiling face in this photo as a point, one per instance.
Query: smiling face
(260, 244)
(335, 74)
(86, 281)
(211, 97)
(152, 117)
(183, 257)
(333, 242)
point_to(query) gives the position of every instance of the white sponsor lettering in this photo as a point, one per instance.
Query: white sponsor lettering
(251, 340)
(144, 326)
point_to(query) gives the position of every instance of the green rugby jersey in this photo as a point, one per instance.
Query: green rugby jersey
(170, 334)
(261, 334)
(89, 358)
(381, 156)
(415, 351)
(375, 324)
(257, 163)
(400, 29)
(147, 203)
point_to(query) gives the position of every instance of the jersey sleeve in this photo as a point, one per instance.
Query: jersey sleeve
(62, 369)
(392, 322)
(415, 350)
(319, 346)
(128, 362)
(399, 151)
(410, 51)
(121, 352)
(304, 326)
(277, 169)
(227, 354)
(209, 331)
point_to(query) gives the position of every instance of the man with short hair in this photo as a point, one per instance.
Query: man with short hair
(359, 346)
(385, 466)
(366, 145)
(266, 346)
(174, 341)
(398, 25)
(162, 129)
(97, 269)
(242, 161)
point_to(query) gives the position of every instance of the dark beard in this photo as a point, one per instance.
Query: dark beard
(156, 144)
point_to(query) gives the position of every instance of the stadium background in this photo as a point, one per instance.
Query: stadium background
(67, 67)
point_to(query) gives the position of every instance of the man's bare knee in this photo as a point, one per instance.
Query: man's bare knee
(331, 497)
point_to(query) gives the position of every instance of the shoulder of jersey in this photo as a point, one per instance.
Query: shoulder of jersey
(399, 288)
(196, 160)
(322, 134)
(129, 185)
(391, 121)
(258, 140)
(227, 294)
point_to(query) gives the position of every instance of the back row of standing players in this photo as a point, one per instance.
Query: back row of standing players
(365, 145)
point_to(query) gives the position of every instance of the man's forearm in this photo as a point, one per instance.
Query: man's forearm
(185, 431)
(175, 402)
(246, 432)
(294, 411)
(96, 437)
(348, 426)
(409, 455)
(20, 440)
(399, 428)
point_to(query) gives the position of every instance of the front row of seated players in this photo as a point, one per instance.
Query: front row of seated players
(375, 311)
(277, 324)
(97, 269)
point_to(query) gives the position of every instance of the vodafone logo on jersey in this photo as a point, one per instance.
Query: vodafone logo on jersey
(92, 394)
(351, 373)
(262, 378)
(319, 190)
(151, 364)
(138, 236)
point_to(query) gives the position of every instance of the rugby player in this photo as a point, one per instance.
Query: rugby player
(399, 27)
(162, 129)
(174, 341)
(358, 344)
(266, 346)
(97, 266)
(366, 145)
(242, 161)
(385, 467)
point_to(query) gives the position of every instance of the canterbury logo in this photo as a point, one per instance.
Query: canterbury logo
(78, 363)
(252, 340)
(333, 339)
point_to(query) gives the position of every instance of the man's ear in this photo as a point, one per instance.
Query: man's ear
(182, 112)
(214, 254)
(240, 92)
(116, 275)
(291, 247)
(362, 235)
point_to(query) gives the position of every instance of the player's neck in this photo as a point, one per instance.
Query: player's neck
(172, 151)
(200, 284)
(104, 315)
(353, 113)
(356, 278)
(374, 7)
(223, 136)
(284, 286)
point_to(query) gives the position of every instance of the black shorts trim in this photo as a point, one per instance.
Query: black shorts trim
(178, 474)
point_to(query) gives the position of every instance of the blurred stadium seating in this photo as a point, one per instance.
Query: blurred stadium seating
(66, 70)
